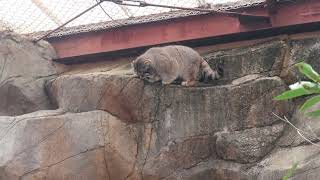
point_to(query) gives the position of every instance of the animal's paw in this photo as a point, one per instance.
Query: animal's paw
(188, 83)
(184, 83)
(165, 83)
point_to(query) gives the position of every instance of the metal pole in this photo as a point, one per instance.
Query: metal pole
(47, 11)
(62, 25)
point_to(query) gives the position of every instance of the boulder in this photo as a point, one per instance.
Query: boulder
(213, 170)
(159, 130)
(279, 162)
(247, 146)
(301, 49)
(133, 100)
(96, 145)
(24, 68)
(54, 145)
(309, 126)
(264, 59)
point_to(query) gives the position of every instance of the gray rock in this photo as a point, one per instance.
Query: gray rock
(249, 145)
(264, 59)
(279, 162)
(132, 100)
(187, 152)
(307, 50)
(53, 144)
(24, 68)
(213, 170)
(158, 131)
(90, 145)
(309, 125)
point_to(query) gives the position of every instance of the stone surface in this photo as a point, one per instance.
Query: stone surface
(186, 152)
(307, 50)
(110, 125)
(133, 100)
(309, 125)
(53, 144)
(249, 145)
(24, 68)
(213, 170)
(163, 130)
(280, 161)
(265, 59)
(90, 145)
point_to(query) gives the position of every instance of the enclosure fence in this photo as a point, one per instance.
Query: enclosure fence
(28, 16)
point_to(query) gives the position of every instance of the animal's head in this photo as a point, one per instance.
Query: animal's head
(144, 68)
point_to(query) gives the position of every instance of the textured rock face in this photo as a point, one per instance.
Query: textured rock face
(50, 142)
(307, 50)
(109, 125)
(264, 59)
(249, 145)
(24, 68)
(309, 125)
(132, 101)
(275, 166)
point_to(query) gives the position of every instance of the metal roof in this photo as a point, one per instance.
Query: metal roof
(148, 18)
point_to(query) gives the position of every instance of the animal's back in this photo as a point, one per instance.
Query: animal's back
(183, 62)
(178, 62)
(182, 54)
(187, 59)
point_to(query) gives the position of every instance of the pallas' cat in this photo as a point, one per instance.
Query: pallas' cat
(169, 63)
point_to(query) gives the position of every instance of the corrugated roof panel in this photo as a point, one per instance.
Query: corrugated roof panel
(27, 16)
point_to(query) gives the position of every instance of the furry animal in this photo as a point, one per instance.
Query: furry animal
(170, 63)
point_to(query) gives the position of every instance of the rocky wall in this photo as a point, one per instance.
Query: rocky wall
(96, 121)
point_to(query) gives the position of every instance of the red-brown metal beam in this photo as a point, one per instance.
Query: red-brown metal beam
(182, 29)
(307, 11)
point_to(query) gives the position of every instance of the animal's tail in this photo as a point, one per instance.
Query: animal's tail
(208, 73)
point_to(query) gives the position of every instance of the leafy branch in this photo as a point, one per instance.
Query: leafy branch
(303, 88)
(299, 89)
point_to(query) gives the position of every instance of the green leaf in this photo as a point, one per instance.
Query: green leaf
(292, 94)
(312, 87)
(314, 113)
(308, 71)
(310, 102)
(290, 171)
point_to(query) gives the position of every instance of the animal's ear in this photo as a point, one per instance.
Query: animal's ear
(147, 62)
(133, 63)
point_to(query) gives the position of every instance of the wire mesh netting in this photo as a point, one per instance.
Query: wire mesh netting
(27, 16)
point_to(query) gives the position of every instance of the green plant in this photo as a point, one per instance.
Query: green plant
(290, 171)
(305, 88)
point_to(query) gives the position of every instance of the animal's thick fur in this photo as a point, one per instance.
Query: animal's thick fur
(169, 63)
